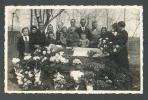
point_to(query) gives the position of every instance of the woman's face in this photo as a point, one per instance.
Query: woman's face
(25, 32)
(34, 30)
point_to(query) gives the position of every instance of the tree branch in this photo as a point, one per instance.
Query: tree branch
(49, 20)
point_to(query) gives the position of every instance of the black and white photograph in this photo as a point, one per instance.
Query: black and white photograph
(74, 49)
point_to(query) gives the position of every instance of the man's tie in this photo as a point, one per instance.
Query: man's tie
(25, 38)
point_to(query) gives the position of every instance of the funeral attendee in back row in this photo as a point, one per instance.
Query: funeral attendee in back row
(105, 34)
(39, 38)
(121, 52)
(73, 24)
(33, 33)
(83, 29)
(115, 29)
(95, 35)
(49, 36)
(62, 40)
(59, 29)
(72, 38)
(23, 43)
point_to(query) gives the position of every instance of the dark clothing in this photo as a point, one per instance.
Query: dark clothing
(23, 46)
(121, 56)
(72, 39)
(86, 31)
(49, 40)
(37, 38)
(58, 35)
(108, 35)
(62, 40)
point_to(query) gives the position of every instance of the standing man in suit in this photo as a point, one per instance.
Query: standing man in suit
(23, 44)
(84, 29)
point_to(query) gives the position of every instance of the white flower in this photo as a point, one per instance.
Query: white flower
(106, 38)
(26, 72)
(59, 46)
(77, 61)
(52, 59)
(37, 75)
(61, 53)
(36, 58)
(104, 41)
(44, 52)
(106, 77)
(45, 58)
(115, 50)
(76, 75)
(27, 57)
(28, 82)
(30, 74)
(105, 46)
(25, 79)
(58, 76)
(20, 82)
(48, 51)
(15, 60)
(110, 42)
(89, 87)
(100, 39)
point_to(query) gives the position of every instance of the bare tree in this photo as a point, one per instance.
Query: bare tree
(46, 15)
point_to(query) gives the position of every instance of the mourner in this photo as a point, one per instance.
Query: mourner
(72, 38)
(39, 38)
(23, 43)
(73, 24)
(95, 34)
(49, 36)
(83, 29)
(59, 29)
(121, 55)
(32, 37)
(63, 35)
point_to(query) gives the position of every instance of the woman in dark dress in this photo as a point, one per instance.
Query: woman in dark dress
(121, 52)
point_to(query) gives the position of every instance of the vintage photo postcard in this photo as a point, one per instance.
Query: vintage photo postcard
(74, 49)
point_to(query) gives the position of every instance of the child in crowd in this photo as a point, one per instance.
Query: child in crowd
(23, 43)
(84, 42)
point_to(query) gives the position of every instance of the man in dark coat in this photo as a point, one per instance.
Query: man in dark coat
(84, 29)
(121, 53)
(23, 43)
(38, 38)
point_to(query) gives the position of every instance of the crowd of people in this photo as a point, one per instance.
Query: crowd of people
(75, 37)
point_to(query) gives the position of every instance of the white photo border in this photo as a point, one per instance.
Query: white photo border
(79, 91)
